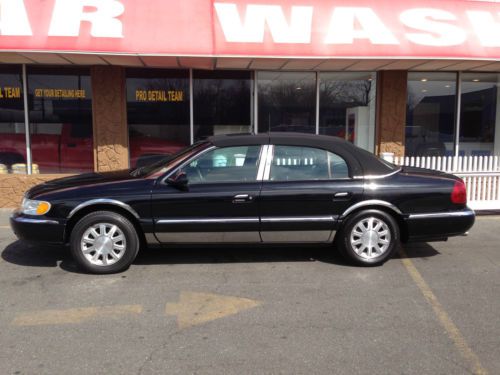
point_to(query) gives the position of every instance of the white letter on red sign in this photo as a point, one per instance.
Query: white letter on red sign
(13, 18)
(439, 34)
(68, 14)
(341, 29)
(252, 30)
(487, 30)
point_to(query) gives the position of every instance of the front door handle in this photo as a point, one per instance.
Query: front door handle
(242, 198)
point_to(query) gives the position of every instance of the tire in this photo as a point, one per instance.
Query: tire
(103, 254)
(374, 246)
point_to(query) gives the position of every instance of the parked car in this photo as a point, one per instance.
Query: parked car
(71, 150)
(277, 188)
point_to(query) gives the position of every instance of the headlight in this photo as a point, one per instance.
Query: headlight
(32, 207)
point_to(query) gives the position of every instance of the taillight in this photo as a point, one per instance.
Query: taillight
(459, 194)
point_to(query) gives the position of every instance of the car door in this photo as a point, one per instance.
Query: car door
(218, 203)
(305, 190)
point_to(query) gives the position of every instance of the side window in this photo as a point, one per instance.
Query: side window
(295, 163)
(227, 164)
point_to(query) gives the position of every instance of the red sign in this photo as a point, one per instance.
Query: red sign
(299, 28)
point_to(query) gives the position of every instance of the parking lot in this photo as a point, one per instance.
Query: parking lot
(434, 309)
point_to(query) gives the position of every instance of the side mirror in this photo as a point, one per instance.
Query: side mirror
(179, 181)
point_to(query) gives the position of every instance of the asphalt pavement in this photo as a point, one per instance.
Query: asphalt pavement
(434, 309)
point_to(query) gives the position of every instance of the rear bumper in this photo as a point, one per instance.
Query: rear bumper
(29, 228)
(440, 225)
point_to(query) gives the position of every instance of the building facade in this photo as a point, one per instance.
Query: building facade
(90, 85)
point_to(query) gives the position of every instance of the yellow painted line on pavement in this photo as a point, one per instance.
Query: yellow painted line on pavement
(196, 308)
(453, 332)
(74, 316)
(4, 227)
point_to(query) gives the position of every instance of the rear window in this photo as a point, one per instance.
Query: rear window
(296, 163)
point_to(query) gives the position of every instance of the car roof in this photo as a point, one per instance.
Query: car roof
(361, 161)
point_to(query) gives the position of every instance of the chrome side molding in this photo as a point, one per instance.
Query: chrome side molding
(209, 220)
(299, 219)
(113, 202)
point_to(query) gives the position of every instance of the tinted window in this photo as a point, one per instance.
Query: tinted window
(347, 107)
(430, 114)
(479, 114)
(292, 163)
(229, 164)
(222, 102)
(287, 101)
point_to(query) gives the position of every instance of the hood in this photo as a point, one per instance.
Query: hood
(79, 181)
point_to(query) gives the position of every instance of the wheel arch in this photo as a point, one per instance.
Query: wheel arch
(380, 205)
(84, 209)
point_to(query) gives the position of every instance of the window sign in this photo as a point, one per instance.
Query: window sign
(60, 114)
(12, 128)
(157, 113)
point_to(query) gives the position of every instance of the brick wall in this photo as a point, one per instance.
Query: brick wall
(13, 186)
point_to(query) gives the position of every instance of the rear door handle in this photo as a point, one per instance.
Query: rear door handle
(242, 198)
(342, 194)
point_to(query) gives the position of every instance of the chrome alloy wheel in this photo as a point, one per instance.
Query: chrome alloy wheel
(370, 237)
(103, 244)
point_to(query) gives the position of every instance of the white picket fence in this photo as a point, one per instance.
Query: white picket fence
(481, 175)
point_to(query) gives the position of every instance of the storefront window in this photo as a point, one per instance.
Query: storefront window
(222, 102)
(480, 115)
(12, 134)
(287, 101)
(60, 114)
(430, 114)
(347, 107)
(157, 112)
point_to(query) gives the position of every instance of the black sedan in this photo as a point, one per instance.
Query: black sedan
(275, 188)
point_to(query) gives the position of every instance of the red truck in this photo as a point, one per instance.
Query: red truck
(71, 150)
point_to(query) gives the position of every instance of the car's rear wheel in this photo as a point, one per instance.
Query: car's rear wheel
(369, 237)
(104, 242)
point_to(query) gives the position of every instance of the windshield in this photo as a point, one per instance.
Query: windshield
(169, 160)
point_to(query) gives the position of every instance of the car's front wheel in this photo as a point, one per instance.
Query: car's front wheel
(369, 237)
(104, 242)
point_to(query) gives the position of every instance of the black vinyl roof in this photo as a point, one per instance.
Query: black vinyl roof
(361, 162)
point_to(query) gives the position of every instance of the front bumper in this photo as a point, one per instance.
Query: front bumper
(37, 229)
(439, 225)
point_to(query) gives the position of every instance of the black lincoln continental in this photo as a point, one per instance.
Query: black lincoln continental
(274, 188)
